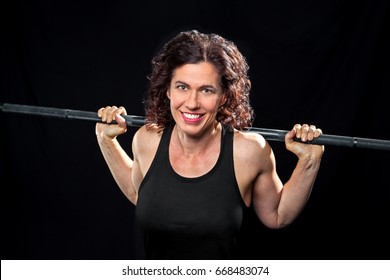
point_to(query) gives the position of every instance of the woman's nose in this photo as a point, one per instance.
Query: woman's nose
(192, 101)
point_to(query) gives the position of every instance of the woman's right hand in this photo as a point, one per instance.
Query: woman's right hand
(106, 129)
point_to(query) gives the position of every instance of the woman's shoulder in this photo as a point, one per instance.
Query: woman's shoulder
(147, 137)
(148, 130)
(250, 146)
(252, 155)
(249, 140)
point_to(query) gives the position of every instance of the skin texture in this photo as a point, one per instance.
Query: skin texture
(195, 95)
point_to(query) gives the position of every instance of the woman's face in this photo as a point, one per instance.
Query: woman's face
(195, 95)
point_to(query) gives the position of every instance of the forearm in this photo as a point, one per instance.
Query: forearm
(120, 165)
(297, 190)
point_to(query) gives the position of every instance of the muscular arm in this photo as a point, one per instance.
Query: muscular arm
(120, 165)
(118, 161)
(128, 173)
(278, 205)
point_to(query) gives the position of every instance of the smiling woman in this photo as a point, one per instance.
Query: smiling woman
(195, 171)
(195, 95)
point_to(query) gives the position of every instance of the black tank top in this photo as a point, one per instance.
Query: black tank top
(190, 218)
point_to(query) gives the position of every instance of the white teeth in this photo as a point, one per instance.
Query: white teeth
(191, 116)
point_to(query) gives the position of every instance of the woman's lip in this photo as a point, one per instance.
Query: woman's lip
(187, 117)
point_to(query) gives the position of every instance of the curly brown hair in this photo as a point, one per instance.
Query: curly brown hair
(194, 47)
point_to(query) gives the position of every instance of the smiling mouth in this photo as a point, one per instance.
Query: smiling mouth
(192, 117)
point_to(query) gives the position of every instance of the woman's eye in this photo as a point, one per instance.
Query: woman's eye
(206, 90)
(182, 87)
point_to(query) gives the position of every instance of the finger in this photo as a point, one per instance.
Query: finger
(318, 132)
(304, 132)
(111, 111)
(104, 112)
(100, 112)
(310, 133)
(117, 113)
(122, 110)
(297, 127)
(121, 121)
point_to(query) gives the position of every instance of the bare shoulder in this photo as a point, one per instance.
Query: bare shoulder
(249, 141)
(251, 148)
(252, 156)
(146, 139)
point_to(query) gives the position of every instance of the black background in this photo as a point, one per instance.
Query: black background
(318, 62)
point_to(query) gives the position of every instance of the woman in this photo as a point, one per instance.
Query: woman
(195, 170)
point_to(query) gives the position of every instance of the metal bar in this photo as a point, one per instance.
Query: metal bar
(69, 114)
(137, 121)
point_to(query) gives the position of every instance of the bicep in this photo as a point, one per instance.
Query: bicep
(138, 151)
(144, 148)
(267, 190)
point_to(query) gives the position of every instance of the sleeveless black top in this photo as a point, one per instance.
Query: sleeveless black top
(190, 218)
